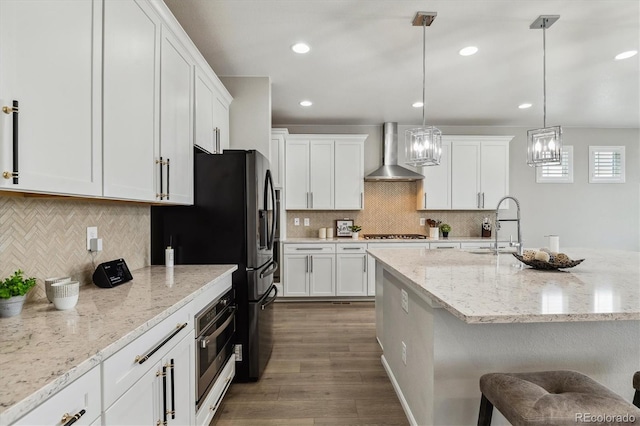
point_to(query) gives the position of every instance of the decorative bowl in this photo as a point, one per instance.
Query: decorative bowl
(49, 281)
(65, 295)
(548, 266)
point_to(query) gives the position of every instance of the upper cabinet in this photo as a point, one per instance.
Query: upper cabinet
(50, 72)
(276, 156)
(130, 107)
(100, 100)
(434, 191)
(324, 172)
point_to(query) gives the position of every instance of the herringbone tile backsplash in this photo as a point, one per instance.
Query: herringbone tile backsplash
(47, 237)
(389, 208)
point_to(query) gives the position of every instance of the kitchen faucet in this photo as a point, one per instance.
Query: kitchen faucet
(517, 219)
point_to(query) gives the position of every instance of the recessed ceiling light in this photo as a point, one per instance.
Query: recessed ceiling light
(468, 51)
(524, 106)
(417, 105)
(626, 55)
(306, 103)
(300, 48)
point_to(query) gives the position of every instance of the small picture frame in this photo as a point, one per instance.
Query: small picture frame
(342, 227)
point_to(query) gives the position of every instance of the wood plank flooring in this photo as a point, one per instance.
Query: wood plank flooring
(325, 369)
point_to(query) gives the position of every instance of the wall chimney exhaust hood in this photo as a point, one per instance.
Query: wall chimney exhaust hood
(390, 171)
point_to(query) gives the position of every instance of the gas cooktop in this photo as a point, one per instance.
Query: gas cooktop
(394, 237)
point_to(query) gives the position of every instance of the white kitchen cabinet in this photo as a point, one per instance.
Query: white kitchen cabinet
(211, 114)
(214, 398)
(309, 270)
(276, 156)
(52, 74)
(351, 270)
(130, 106)
(434, 191)
(479, 172)
(443, 245)
(349, 174)
(316, 184)
(81, 395)
(175, 155)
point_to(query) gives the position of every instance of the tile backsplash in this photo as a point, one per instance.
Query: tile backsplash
(46, 237)
(390, 208)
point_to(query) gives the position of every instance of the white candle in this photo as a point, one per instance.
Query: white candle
(322, 233)
(554, 243)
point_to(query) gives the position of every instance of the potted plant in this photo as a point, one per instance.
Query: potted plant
(355, 229)
(445, 228)
(13, 291)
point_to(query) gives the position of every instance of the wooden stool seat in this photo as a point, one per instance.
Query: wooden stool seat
(553, 398)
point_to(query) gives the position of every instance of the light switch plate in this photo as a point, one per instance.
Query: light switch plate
(296, 221)
(423, 221)
(306, 221)
(92, 232)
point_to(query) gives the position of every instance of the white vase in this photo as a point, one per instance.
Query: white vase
(12, 306)
(434, 233)
(355, 235)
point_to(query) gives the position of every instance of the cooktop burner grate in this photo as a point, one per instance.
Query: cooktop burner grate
(394, 237)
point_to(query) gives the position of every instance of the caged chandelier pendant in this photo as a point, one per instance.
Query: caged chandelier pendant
(423, 145)
(544, 146)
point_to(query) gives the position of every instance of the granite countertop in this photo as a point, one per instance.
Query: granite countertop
(43, 349)
(484, 288)
(302, 240)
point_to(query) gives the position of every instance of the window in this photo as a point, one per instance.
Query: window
(559, 173)
(606, 164)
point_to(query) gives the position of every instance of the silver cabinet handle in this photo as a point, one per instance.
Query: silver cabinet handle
(168, 179)
(425, 200)
(351, 248)
(306, 264)
(362, 200)
(364, 261)
(307, 200)
(440, 248)
(478, 200)
(218, 150)
(308, 248)
(311, 199)
(310, 264)
(483, 200)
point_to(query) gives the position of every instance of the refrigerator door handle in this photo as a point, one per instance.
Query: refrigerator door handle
(269, 271)
(269, 301)
(268, 188)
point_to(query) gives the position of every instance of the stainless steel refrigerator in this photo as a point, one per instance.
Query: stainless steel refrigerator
(232, 221)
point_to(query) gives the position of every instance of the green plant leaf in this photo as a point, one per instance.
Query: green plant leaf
(16, 285)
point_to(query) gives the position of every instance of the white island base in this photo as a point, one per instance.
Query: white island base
(445, 356)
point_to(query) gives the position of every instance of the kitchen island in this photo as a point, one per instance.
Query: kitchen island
(43, 350)
(468, 314)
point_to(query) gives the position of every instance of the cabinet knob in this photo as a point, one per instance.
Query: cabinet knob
(9, 110)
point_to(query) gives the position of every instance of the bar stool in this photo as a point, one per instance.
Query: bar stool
(553, 398)
(636, 386)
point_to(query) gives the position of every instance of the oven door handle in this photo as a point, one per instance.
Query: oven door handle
(205, 342)
(271, 300)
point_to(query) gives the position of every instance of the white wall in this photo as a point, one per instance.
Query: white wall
(249, 113)
(583, 214)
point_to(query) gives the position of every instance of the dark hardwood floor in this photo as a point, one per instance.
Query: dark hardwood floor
(325, 369)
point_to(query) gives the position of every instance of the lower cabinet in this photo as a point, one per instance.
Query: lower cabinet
(211, 404)
(351, 270)
(81, 398)
(309, 270)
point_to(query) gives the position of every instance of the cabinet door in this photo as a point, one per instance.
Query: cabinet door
(175, 120)
(465, 176)
(130, 104)
(351, 275)
(322, 281)
(371, 275)
(221, 121)
(296, 275)
(180, 384)
(494, 174)
(321, 174)
(349, 175)
(276, 158)
(434, 191)
(297, 175)
(50, 63)
(205, 133)
(140, 404)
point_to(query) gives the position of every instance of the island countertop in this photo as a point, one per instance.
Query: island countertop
(43, 349)
(484, 288)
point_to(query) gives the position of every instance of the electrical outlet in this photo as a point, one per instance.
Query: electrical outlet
(92, 232)
(237, 350)
(296, 221)
(404, 353)
(404, 301)
(423, 221)
(306, 221)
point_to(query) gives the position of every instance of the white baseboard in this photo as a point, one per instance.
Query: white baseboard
(396, 387)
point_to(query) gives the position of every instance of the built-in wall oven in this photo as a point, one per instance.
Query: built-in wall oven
(215, 328)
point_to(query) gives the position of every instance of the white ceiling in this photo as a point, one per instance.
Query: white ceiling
(365, 64)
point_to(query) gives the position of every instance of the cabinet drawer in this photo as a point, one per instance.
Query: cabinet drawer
(444, 245)
(121, 370)
(212, 402)
(309, 248)
(351, 248)
(83, 394)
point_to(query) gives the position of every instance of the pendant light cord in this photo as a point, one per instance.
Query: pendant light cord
(424, 72)
(544, 73)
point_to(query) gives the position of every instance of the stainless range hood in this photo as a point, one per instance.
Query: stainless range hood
(390, 171)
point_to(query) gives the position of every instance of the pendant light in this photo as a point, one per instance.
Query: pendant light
(544, 146)
(423, 145)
